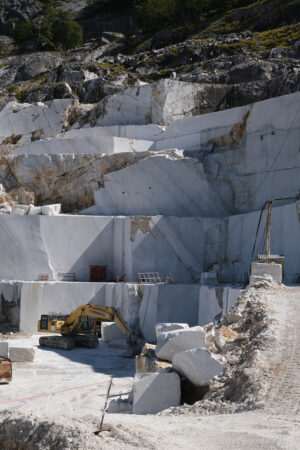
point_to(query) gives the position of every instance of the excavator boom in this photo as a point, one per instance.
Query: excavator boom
(75, 329)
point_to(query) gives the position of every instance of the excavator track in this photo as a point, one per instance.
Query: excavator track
(86, 340)
(69, 342)
(59, 342)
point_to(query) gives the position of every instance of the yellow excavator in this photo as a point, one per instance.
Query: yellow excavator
(82, 327)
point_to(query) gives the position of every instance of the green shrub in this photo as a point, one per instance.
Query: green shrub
(25, 31)
(57, 30)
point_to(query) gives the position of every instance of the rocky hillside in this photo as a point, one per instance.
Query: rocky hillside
(252, 51)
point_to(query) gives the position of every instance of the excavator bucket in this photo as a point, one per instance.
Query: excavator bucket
(5, 370)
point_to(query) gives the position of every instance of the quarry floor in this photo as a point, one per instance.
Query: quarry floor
(71, 379)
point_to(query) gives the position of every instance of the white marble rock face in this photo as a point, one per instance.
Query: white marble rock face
(23, 119)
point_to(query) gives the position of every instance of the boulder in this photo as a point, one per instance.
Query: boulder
(4, 349)
(153, 392)
(95, 90)
(165, 327)
(172, 342)
(111, 332)
(37, 64)
(51, 210)
(198, 365)
(20, 354)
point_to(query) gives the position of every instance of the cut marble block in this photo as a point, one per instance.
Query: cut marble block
(111, 332)
(168, 344)
(199, 366)
(165, 327)
(154, 392)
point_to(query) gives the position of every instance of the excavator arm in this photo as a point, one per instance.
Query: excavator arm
(74, 321)
(71, 328)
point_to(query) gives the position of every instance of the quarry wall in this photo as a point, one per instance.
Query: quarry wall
(143, 305)
(31, 246)
(285, 234)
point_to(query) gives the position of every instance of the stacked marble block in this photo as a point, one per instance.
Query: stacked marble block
(181, 353)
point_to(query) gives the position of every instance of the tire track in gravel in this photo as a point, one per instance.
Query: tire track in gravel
(285, 397)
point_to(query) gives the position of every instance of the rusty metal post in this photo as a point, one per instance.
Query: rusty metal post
(105, 404)
(268, 231)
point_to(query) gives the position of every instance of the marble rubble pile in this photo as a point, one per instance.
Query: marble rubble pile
(180, 354)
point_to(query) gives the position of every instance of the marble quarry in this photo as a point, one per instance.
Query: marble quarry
(147, 182)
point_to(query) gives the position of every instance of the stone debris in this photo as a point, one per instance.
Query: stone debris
(51, 210)
(260, 280)
(244, 385)
(199, 366)
(210, 341)
(21, 354)
(172, 342)
(153, 392)
(4, 349)
(165, 327)
(24, 430)
(147, 362)
(225, 336)
(263, 269)
(111, 332)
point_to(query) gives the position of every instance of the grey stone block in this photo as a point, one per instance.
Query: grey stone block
(4, 349)
(198, 365)
(111, 332)
(165, 327)
(153, 392)
(168, 344)
(262, 269)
